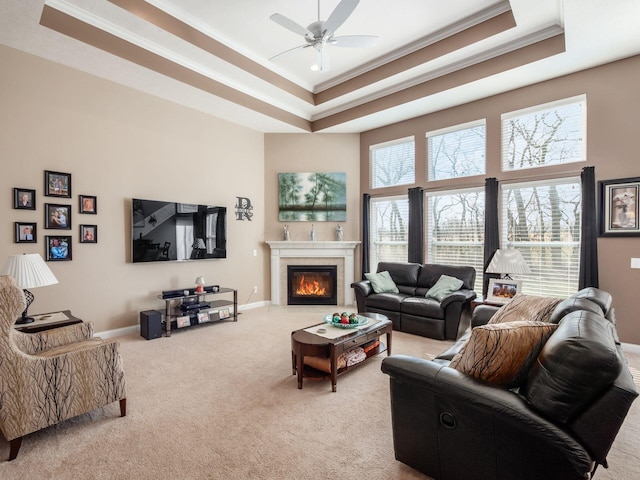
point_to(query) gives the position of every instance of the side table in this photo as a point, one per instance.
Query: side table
(47, 321)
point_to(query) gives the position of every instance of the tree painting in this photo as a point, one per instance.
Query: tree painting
(317, 197)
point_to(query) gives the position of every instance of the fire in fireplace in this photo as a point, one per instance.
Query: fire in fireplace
(312, 285)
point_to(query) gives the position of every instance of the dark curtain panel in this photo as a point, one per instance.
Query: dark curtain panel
(588, 231)
(491, 230)
(366, 207)
(416, 225)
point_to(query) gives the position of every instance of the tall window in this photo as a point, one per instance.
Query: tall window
(455, 229)
(389, 230)
(542, 220)
(393, 163)
(456, 152)
(550, 134)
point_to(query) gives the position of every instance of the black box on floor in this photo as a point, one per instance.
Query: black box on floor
(151, 324)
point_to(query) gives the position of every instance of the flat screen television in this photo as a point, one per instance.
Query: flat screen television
(170, 231)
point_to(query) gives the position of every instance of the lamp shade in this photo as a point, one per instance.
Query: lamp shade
(508, 261)
(198, 244)
(29, 271)
(200, 281)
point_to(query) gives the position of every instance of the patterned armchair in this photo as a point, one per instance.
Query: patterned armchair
(51, 376)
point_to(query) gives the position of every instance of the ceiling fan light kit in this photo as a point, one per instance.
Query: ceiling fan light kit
(320, 34)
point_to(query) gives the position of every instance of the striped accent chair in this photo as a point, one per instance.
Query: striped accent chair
(51, 376)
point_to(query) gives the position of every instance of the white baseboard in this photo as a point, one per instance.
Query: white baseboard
(631, 348)
(118, 332)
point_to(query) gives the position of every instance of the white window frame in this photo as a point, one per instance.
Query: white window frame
(373, 166)
(532, 284)
(374, 244)
(479, 265)
(581, 150)
(455, 128)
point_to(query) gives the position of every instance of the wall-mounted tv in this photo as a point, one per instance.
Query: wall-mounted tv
(166, 231)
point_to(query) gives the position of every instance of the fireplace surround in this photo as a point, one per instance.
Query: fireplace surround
(339, 253)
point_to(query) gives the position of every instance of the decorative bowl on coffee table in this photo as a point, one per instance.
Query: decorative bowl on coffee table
(361, 321)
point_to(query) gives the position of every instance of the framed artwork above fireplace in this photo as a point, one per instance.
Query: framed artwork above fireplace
(312, 197)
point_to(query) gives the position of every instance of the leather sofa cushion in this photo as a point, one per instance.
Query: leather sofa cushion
(386, 301)
(572, 304)
(526, 307)
(576, 364)
(401, 273)
(422, 307)
(598, 296)
(502, 353)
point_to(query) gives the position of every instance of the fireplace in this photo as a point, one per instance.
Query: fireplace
(312, 284)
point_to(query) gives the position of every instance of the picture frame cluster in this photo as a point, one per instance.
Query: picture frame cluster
(57, 216)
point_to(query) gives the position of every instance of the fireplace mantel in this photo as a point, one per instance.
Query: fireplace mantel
(285, 249)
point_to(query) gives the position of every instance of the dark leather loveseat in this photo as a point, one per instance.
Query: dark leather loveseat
(559, 425)
(409, 309)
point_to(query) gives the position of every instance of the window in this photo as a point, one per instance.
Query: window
(393, 163)
(455, 229)
(389, 230)
(550, 134)
(456, 152)
(542, 220)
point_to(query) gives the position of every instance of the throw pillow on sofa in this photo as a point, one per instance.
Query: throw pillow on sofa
(382, 282)
(503, 353)
(445, 285)
(526, 307)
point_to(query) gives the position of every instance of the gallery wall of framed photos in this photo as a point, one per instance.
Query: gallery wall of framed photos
(58, 213)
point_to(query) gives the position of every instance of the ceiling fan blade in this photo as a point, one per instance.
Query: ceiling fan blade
(354, 41)
(290, 25)
(340, 14)
(289, 51)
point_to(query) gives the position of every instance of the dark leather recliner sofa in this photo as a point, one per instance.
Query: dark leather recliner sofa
(559, 425)
(410, 311)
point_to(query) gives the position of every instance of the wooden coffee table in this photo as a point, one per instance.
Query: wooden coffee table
(305, 343)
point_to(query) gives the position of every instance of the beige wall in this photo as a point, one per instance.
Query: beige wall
(118, 144)
(613, 99)
(311, 152)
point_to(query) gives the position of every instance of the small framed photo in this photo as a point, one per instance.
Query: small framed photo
(57, 216)
(223, 313)
(57, 184)
(184, 321)
(24, 199)
(88, 204)
(88, 234)
(618, 207)
(58, 248)
(203, 317)
(25, 232)
(502, 290)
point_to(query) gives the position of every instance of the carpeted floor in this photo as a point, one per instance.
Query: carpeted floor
(219, 401)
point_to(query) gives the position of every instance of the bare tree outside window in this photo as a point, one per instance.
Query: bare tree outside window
(456, 153)
(542, 219)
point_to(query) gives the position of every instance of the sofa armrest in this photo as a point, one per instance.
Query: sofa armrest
(32, 343)
(362, 289)
(435, 406)
(482, 314)
(463, 296)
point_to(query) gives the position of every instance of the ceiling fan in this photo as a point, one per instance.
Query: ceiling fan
(319, 34)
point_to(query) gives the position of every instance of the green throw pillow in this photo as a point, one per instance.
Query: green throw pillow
(382, 282)
(443, 287)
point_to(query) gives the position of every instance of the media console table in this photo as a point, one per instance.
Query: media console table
(214, 311)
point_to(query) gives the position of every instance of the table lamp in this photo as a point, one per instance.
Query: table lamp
(507, 261)
(29, 271)
(200, 285)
